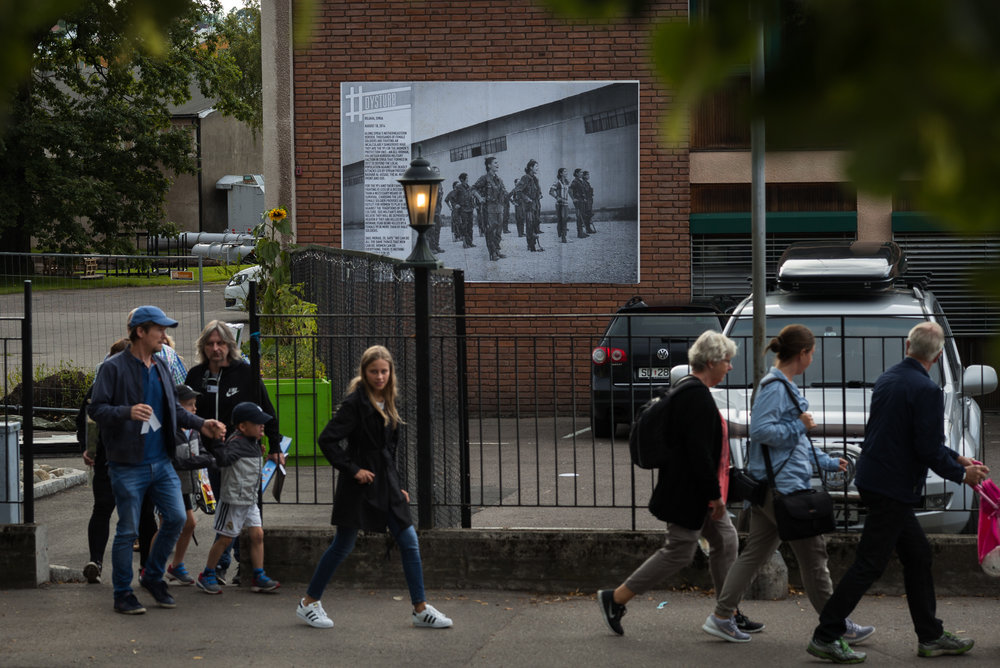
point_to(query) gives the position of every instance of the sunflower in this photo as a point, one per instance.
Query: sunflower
(277, 215)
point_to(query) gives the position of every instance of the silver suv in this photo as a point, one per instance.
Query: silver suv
(857, 301)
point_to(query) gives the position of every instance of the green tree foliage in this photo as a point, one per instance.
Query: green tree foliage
(88, 150)
(908, 88)
(240, 32)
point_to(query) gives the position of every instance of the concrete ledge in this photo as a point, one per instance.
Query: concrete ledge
(24, 555)
(566, 561)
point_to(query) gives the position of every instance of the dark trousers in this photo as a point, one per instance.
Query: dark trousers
(562, 213)
(98, 529)
(890, 526)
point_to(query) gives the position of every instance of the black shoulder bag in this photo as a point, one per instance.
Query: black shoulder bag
(804, 513)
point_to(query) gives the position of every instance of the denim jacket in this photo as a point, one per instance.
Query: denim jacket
(775, 421)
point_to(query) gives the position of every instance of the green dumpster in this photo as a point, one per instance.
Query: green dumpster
(304, 407)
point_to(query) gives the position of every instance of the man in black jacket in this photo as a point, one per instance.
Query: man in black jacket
(904, 437)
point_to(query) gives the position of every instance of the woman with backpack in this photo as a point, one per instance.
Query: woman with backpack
(780, 419)
(690, 492)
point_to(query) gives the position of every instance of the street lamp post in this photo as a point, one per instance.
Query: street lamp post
(420, 185)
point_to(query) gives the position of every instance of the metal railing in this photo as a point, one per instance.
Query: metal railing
(17, 499)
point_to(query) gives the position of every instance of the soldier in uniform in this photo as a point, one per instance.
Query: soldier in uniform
(434, 234)
(518, 209)
(579, 197)
(588, 191)
(452, 201)
(492, 196)
(560, 192)
(466, 203)
(529, 197)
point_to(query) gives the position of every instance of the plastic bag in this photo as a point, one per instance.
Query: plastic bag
(989, 527)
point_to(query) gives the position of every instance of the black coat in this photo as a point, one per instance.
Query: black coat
(371, 445)
(685, 487)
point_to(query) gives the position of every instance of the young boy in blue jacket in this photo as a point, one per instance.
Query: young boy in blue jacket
(240, 459)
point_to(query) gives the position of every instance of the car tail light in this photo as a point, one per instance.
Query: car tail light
(601, 355)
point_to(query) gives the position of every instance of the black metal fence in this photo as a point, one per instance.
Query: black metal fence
(80, 307)
(17, 501)
(533, 459)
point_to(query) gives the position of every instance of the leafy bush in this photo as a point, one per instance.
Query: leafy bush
(63, 386)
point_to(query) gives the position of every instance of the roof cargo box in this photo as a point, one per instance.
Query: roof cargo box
(840, 267)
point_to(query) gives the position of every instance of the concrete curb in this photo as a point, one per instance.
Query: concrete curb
(69, 478)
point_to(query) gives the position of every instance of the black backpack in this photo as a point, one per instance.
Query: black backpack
(648, 441)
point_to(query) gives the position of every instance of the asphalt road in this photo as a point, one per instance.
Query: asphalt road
(76, 327)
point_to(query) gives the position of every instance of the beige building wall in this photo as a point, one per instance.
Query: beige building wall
(874, 213)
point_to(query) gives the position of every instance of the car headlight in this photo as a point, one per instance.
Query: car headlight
(237, 279)
(937, 501)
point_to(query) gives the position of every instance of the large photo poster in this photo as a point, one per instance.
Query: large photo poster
(541, 179)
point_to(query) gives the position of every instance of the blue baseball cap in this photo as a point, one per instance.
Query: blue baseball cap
(152, 314)
(248, 411)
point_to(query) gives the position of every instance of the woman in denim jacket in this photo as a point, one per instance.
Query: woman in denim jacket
(781, 423)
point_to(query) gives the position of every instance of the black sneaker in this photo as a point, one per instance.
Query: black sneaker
(743, 623)
(159, 591)
(128, 604)
(220, 575)
(92, 571)
(611, 611)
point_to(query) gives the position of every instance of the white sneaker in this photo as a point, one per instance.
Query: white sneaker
(314, 615)
(431, 618)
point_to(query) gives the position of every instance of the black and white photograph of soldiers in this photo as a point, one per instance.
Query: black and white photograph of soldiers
(540, 180)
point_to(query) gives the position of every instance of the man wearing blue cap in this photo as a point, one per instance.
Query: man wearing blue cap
(136, 406)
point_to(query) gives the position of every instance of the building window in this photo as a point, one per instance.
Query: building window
(488, 147)
(354, 180)
(735, 197)
(609, 120)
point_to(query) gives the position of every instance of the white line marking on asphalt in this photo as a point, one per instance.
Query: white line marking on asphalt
(577, 433)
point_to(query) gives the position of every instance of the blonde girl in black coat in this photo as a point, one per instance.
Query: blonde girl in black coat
(368, 496)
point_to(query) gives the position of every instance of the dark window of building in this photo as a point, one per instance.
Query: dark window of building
(609, 120)
(735, 197)
(478, 149)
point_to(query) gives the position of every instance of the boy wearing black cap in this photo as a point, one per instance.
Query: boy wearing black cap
(189, 457)
(237, 507)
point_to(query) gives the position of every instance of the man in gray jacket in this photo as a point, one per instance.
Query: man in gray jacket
(136, 406)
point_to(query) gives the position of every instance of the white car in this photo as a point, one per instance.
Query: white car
(238, 288)
(860, 306)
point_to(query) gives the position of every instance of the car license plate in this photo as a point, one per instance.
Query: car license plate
(656, 372)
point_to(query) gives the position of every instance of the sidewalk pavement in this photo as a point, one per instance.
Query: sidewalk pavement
(70, 623)
(66, 624)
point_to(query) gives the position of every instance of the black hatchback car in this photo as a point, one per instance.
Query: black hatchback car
(633, 359)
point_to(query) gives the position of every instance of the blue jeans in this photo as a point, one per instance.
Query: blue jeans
(343, 544)
(129, 485)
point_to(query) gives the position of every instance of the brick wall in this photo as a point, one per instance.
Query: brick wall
(403, 40)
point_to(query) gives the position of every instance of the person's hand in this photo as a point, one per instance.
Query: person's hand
(975, 474)
(843, 464)
(718, 508)
(364, 476)
(277, 458)
(966, 461)
(87, 459)
(214, 429)
(406, 495)
(141, 412)
(807, 420)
